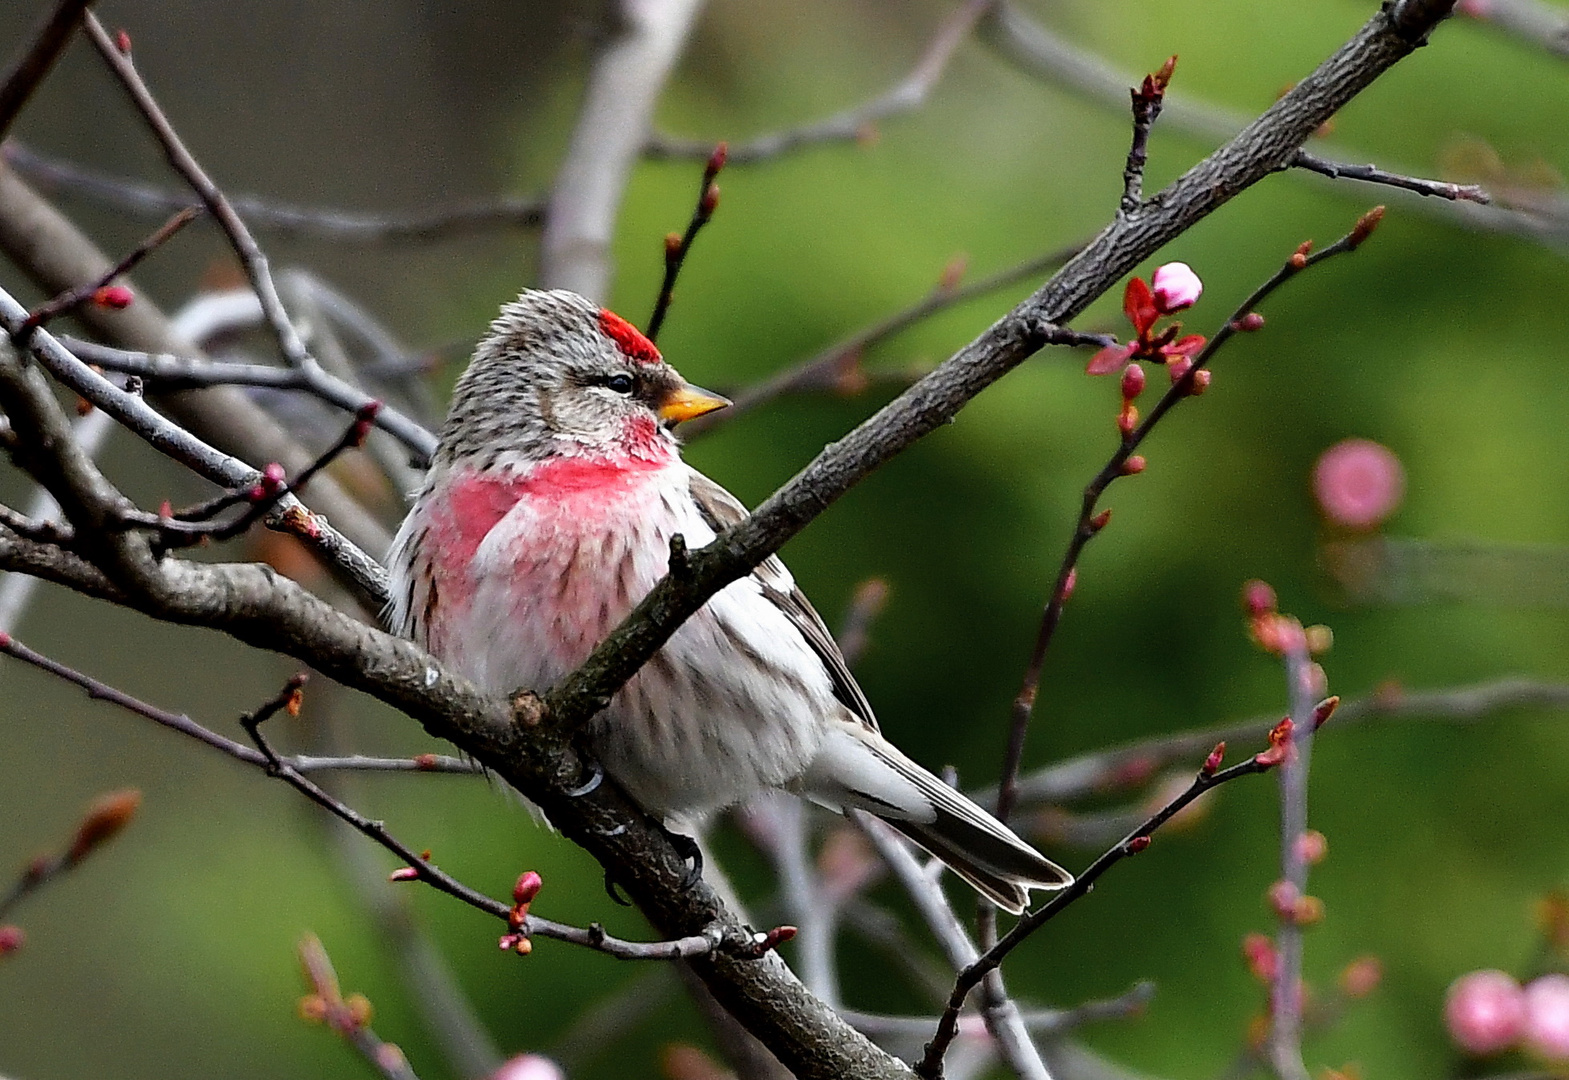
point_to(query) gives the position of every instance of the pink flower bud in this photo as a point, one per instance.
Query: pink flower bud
(1132, 382)
(1216, 756)
(1547, 1017)
(1358, 483)
(1248, 323)
(404, 873)
(1176, 287)
(528, 886)
(1262, 959)
(1201, 380)
(529, 1067)
(1258, 598)
(1179, 366)
(1311, 847)
(1485, 1012)
(1283, 897)
(1138, 844)
(1134, 465)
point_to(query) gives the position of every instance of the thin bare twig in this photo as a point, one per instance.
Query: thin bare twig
(677, 245)
(73, 298)
(851, 125)
(1286, 1004)
(419, 868)
(349, 1017)
(1002, 1015)
(1542, 24)
(1147, 98)
(320, 223)
(1372, 174)
(180, 159)
(22, 78)
(185, 373)
(838, 367)
(104, 819)
(930, 1065)
(1091, 522)
(612, 126)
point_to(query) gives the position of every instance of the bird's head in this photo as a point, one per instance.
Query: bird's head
(557, 374)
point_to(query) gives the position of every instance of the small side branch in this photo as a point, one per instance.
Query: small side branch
(19, 82)
(852, 125)
(677, 245)
(1208, 777)
(291, 771)
(1147, 100)
(1372, 174)
(304, 222)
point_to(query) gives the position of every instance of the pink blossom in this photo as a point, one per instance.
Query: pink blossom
(529, 1067)
(1547, 1017)
(1485, 1012)
(1176, 287)
(1358, 483)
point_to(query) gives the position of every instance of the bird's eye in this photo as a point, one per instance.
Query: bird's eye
(621, 384)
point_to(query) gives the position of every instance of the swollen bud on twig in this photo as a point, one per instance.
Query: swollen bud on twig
(716, 161)
(766, 943)
(1324, 710)
(1248, 323)
(1216, 756)
(1132, 382)
(709, 202)
(1300, 256)
(1311, 847)
(1279, 745)
(122, 41)
(1134, 465)
(1162, 78)
(364, 419)
(528, 885)
(1364, 227)
(1069, 584)
(404, 873)
(114, 297)
(104, 819)
(1200, 382)
(1100, 521)
(672, 246)
(1127, 418)
(1137, 844)
(1262, 959)
(1258, 598)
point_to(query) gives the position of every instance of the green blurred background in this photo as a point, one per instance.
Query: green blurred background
(171, 954)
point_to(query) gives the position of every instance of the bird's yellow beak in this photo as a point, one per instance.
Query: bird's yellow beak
(688, 402)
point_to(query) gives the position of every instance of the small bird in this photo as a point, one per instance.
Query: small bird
(548, 514)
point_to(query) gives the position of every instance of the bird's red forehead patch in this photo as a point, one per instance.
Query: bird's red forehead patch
(628, 338)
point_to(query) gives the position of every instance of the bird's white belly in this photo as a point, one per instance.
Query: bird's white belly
(734, 702)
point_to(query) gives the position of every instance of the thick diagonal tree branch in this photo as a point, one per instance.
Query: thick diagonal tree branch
(1269, 143)
(529, 744)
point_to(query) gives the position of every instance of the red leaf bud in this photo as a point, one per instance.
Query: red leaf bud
(12, 938)
(1200, 382)
(672, 245)
(528, 886)
(1248, 323)
(1283, 897)
(117, 297)
(122, 41)
(1162, 78)
(1364, 227)
(104, 819)
(273, 476)
(1100, 521)
(1324, 710)
(1134, 465)
(1069, 584)
(1110, 359)
(1127, 418)
(1216, 756)
(710, 200)
(716, 160)
(1138, 844)
(426, 761)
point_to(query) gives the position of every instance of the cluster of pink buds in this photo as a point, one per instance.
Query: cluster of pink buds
(1278, 634)
(523, 893)
(1488, 1012)
(1293, 906)
(1175, 288)
(271, 484)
